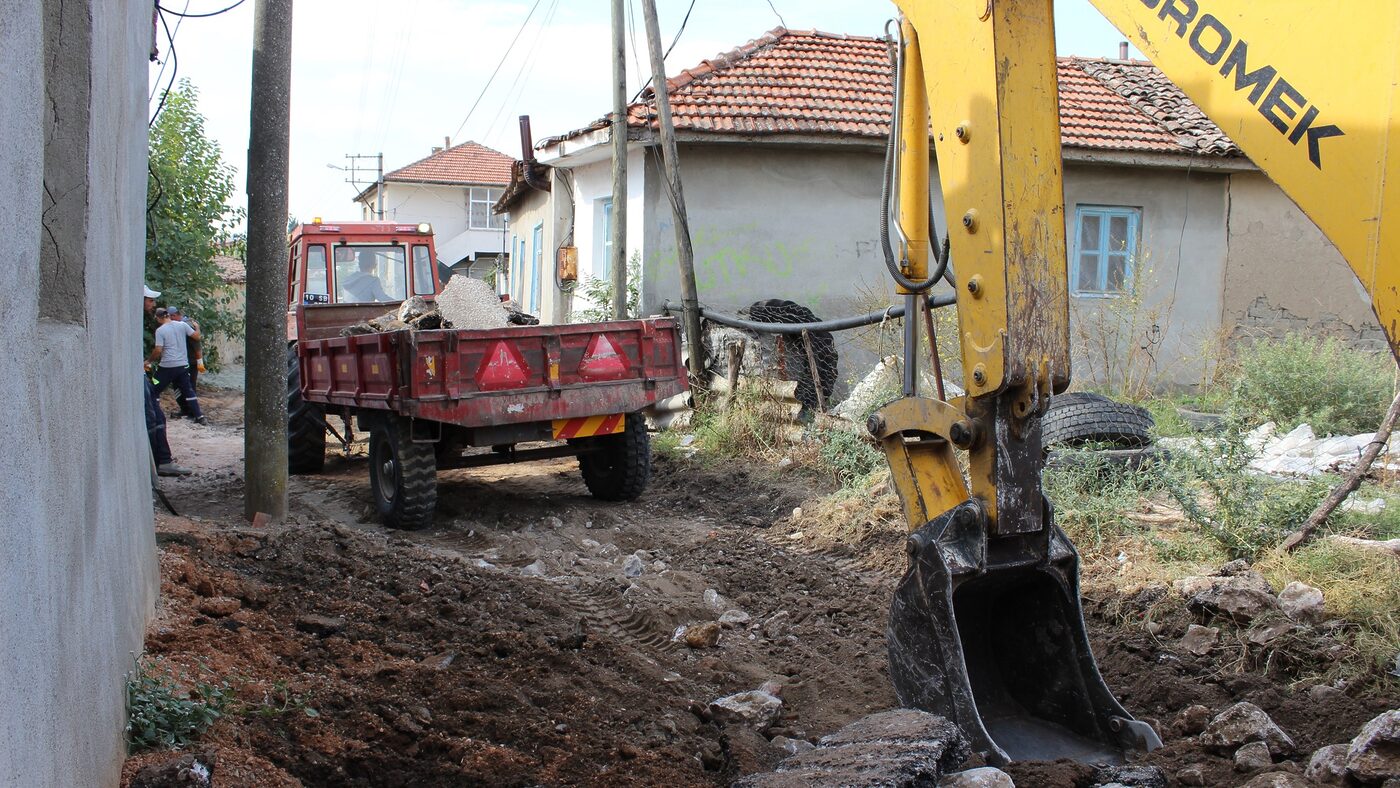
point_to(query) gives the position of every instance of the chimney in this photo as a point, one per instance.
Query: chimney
(447, 141)
(1122, 50)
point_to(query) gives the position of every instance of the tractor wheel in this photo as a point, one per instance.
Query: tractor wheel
(617, 467)
(402, 474)
(306, 424)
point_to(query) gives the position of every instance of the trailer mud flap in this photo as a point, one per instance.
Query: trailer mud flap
(989, 633)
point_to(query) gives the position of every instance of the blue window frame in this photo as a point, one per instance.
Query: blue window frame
(1105, 246)
(536, 265)
(602, 245)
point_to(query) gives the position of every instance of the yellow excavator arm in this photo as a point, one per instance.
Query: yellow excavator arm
(986, 627)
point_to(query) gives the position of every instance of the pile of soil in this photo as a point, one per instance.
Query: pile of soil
(517, 643)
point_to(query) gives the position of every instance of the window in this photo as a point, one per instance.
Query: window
(422, 270)
(1106, 241)
(479, 203)
(536, 263)
(366, 274)
(316, 273)
(602, 243)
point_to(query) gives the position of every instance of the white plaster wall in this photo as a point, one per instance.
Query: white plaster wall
(446, 209)
(77, 553)
(1179, 275)
(593, 182)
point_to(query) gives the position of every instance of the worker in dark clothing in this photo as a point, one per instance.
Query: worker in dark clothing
(194, 351)
(155, 419)
(363, 285)
(171, 361)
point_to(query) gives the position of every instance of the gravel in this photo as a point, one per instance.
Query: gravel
(472, 304)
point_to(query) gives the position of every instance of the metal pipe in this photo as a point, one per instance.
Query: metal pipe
(911, 345)
(839, 324)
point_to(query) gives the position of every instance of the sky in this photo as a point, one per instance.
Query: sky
(399, 78)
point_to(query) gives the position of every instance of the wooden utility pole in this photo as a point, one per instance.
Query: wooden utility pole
(685, 256)
(265, 396)
(618, 231)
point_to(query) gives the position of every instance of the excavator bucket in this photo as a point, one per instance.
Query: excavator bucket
(989, 633)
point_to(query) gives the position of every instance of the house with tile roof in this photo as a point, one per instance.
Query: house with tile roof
(453, 189)
(1175, 239)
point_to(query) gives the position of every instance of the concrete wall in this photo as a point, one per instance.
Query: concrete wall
(77, 553)
(550, 212)
(1283, 275)
(1175, 307)
(593, 183)
(446, 209)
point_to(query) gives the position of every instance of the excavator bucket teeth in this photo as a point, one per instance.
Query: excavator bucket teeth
(989, 633)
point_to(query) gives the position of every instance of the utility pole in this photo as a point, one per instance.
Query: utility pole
(265, 400)
(690, 298)
(618, 229)
(354, 180)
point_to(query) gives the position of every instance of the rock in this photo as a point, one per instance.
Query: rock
(1328, 765)
(439, 661)
(632, 565)
(776, 625)
(1390, 547)
(1374, 755)
(755, 708)
(1240, 598)
(791, 746)
(1199, 640)
(704, 635)
(534, 570)
(903, 747)
(405, 724)
(1191, 720)
(1268, 633)
(714, 601)
(1134, 776)
(734, 619)
(1241, 724)
(1231, 568)
(1191, 775)
(192, 770)
(321, 626)
(985, 777)
(219, 606)
(1253, 757)
(749, 752)
(552, 522)
(1302, 602)
(1277, 780)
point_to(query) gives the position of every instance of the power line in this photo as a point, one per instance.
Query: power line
(526, 70)
(778, 15)
(187, 15)
(498, 68)
(674, 39)
(175, 69)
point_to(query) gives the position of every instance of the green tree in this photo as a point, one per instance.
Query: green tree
(189, 220)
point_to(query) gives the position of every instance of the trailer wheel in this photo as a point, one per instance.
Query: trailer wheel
(402, 475)
(617, 467)
(306, 424)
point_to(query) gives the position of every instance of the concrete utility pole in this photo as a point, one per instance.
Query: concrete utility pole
(354, 159)
(690, 298)
(265, 400)
(618, 230)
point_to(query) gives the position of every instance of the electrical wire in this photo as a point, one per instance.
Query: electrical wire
(674, 39)
(778, 15)
(187, 15)
(175, 69)
(524, 73)
(497, 70)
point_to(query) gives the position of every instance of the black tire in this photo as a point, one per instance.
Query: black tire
(306, 424)
(402, 475)
(617, 467)
(1082, 417)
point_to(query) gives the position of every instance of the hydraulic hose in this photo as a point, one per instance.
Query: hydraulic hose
(839, 324)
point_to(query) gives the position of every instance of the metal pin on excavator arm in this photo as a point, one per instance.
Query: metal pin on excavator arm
(986, 626)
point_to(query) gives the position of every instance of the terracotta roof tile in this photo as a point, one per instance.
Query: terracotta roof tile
(468, 162)
(814, 83)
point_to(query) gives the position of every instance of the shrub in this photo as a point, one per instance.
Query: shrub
(848, 456)
(1092, 494)
(1300, 380)
(161, 714)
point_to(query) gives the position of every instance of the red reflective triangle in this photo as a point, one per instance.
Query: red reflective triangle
(502, 368)
(602, 361)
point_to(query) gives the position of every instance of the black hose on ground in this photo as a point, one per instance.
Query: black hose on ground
(839, 324)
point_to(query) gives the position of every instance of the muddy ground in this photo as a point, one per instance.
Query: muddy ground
(507, 647)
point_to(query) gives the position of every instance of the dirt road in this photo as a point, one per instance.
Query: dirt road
(530, 637)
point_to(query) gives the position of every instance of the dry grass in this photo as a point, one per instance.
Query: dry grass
(865, 517)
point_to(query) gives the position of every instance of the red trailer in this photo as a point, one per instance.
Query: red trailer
(427, 397)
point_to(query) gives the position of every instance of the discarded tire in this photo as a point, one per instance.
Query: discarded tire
(617, 467)
(306, 424)
(777, 310)
(1081, 417)
(402, 475)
